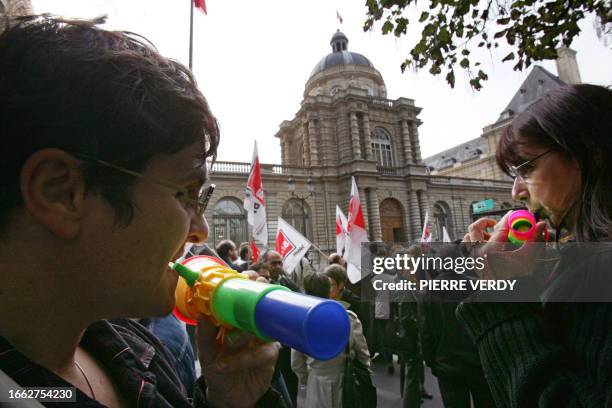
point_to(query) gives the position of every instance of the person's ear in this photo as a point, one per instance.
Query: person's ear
(53, 191)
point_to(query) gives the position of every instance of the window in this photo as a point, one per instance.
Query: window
(297, 213)
(442, 219)
(229, 221)
(381, 147)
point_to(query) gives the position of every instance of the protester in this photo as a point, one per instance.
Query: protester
(336, 259)
(262, 269)
(382, 314)
(277, 273)
(323, 379)
(338, 277)
(109, 145)
(406, 335)
(228, 252)
(552, 354)
(447, 348)
(243, 255)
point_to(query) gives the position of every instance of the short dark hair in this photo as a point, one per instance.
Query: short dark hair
(577, 121)
(110, 95)
(336, 272)
(334, 258)
(243, 252)
(259, 265)
(317, 285)
(224, 248)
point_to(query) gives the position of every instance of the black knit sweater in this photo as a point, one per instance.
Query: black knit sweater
(549, 354)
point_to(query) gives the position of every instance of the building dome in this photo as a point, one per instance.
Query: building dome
(340, 55)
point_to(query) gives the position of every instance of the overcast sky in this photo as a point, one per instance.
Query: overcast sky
(253, 58)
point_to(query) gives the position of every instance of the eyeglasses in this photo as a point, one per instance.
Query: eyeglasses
(198, 203)
(520, 171)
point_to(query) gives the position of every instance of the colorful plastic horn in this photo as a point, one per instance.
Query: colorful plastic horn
(317, 327)
(522, 227)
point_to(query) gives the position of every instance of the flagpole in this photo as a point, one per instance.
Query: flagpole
(191, 35)
(319, 249)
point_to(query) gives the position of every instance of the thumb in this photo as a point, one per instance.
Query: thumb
(500, 232)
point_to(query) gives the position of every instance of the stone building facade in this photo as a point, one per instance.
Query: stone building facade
(346, 127)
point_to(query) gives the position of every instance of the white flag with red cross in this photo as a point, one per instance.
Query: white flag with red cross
(341, 232)
(356, 235)
(255, 204)
(290, 244)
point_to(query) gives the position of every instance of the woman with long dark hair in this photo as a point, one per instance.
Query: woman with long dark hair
(554, 353)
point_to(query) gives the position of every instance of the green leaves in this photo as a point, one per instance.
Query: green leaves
(533, 29)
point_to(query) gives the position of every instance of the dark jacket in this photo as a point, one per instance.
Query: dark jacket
(138, 363)
(549, 354)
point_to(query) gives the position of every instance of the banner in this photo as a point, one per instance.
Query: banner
(341, 232)
(254, 252)
(255, 204)
(356, 235)
(290, 244)
(445, 236)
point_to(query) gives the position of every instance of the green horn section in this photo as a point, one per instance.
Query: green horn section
(234, 303)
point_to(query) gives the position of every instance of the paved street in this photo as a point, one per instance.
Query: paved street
(388, 387)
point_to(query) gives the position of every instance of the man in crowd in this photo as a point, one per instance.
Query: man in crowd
(243, 256)
(229, 253)
(336, 259)
(277, 273)
(110, 143)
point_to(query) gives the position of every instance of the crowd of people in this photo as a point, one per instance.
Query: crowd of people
(108, 148)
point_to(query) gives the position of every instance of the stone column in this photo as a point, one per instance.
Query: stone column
(312, 137)
(374, 214)
(407, 142)
(415, 140)
(409, 228)
(424, 203)
(415, 215)
(355, 135)
(283, 146)
(306, 141)
(368, 137)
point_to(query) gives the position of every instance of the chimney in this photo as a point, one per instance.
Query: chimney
(567, 67)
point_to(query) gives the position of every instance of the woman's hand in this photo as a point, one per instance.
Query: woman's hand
(238, 373)
(504, 260)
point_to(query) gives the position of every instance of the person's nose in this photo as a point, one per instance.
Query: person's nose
(198, 229)
(519, 190)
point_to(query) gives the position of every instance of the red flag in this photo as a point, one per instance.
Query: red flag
(201, 4)
(254, 252)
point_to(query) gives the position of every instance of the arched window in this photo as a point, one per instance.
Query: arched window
(229, 221)
(381, 147)
(297, 213)
(442, 219)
